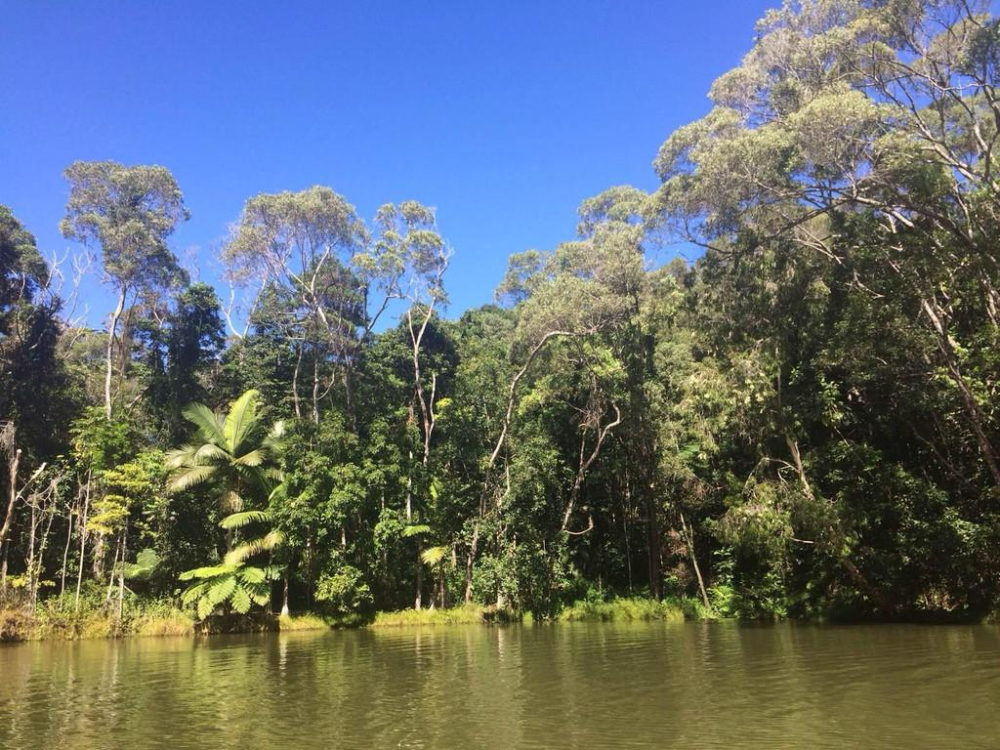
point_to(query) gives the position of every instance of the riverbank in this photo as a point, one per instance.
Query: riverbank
(51, 623)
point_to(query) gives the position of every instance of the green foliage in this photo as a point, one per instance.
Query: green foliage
(234, 586)
(801, 421)
(622, 610)
(467, 615)
(344, 590)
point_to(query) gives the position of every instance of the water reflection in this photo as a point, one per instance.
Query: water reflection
(696, 685)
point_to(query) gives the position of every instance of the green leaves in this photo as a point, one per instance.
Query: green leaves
(232, 585)
(240, 422)
(210, 428)
(129, 212)
(145, 564)
(244, 518)
(228, 456)
(433, 555)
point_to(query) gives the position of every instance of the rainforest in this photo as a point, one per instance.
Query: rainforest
(796, 418)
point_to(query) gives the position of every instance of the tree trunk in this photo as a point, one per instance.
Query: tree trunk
(972, 410)
(12, 498)
(65, 562)
(689, 540)
(109, 351)
(121, 575)
(32, 576)
(420, 575)
(469, 560)
(654, 543)
(114, 563)
(295, 384)
(83, 543)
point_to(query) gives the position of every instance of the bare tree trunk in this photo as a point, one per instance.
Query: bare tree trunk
(654, 544)
(315, 390)
(689, 540)
(469, 560)
(3, 567)
(65, 562)
(114, 563)
(83, 543)
(109, 351)
(420, 574)
(32, 576)
(295, 383)
(12, 497)
(121, 575)
(584, 465)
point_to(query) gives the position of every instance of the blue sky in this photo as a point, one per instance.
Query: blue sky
(503, 116)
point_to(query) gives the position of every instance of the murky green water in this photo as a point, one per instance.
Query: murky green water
(566, 685)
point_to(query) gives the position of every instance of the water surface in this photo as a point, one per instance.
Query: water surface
(643, 685)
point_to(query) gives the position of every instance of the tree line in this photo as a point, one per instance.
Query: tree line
(802, 421)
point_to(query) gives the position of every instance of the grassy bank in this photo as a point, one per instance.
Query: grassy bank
(469, 614)
(55, 624)
(163, 620)
(631, 609)
(19, 625)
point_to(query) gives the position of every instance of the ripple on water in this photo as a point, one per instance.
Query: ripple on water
(643, 685)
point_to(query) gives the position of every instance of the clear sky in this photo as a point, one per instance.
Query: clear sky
(504, 116)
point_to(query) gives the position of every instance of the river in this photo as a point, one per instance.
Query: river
(641, 685)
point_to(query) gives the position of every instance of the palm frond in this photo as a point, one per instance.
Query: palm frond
(245, 518)
(210, 452)
(190, 476)
(241, 420)
(207, 422)
(253, 458)
(181, 457)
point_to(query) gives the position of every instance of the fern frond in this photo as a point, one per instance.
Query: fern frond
(416, 530)
(205, 607)
(193, 592)
(433, 555)
(251, 574)
(241, 601)
(222, 590)
(209, 571)
(253, 547)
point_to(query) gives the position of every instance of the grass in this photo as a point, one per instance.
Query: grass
(163, 619)
(624, 610)
(305, 621)
(173, 622)
(469, 614)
